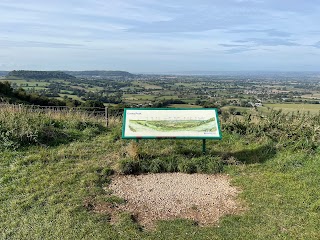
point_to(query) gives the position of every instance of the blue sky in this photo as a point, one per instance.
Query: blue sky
(160, 36)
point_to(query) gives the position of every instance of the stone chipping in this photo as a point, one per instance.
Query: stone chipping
(202, 198)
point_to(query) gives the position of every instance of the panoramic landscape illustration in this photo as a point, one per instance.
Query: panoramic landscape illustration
(170, 122)
(174, 125)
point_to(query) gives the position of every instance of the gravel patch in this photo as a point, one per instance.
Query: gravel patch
(199, 197)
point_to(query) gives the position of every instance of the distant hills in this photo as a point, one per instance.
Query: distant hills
(100, 74)
(27, 74)
(3, 73)
(40, 74)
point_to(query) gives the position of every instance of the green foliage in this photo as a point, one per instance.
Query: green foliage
(92, 104)
(114, 200)
(5, 88)
(170, 164)
(295, 131)
(187, 167)
(21, 96)
(34, 98)
(39, 74)
(129, 166)
(115, 133)
(21, 127)
(208, 164)
(54, 191)
(166, 103)
(203, 164)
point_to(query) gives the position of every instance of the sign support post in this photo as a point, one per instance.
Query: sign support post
(204, 146)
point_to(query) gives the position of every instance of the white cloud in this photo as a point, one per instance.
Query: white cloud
(138, 32)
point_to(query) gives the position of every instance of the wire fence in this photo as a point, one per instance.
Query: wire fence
(109, 114)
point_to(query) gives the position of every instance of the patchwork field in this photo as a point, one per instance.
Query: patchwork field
(312, 96)
(290, 107)
(205, 91)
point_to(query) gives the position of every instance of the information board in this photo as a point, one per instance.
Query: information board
(170, 123)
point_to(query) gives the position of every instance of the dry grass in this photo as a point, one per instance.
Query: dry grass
(132, 150)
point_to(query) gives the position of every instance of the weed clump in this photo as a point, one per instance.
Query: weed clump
(23, 127)
(129, 166)
(295, 131)
(204, 164)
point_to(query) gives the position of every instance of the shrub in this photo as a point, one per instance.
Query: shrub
(208, 164)
(129, 166)
(187, 166)
(156, 166)
(204, 164)
(170, 164)
(214, 166)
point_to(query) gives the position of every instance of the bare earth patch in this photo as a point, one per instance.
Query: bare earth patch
(199, 197)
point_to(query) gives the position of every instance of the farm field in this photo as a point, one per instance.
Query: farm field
(69, 96)
(225, 92)
(184, 106)
(311, 96)
(295, 107)
(135, 97)
(29, 83)
(145, 85)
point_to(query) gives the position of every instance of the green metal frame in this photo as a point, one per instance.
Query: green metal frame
(170, 109)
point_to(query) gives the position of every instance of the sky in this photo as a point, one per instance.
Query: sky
(160, 36)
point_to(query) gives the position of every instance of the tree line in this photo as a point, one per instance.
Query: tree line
(10, 95)
(39, 74)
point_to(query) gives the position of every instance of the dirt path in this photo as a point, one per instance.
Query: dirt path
(200, 197)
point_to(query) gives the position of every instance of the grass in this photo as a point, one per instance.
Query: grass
(236, 108)
(184, 106)
(169, 97)
(75, 97)
(31, 83)
(133, 97)
(146, 85)
(315, 95)
(50, 191)
(22, 127)
(295, 107)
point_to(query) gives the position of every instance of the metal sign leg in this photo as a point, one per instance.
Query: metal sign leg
(204, 146)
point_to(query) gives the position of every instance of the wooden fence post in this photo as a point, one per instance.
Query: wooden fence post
(107, 116)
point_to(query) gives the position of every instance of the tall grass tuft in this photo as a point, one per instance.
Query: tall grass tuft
(20, 126)
(204, 164)
(287, 130)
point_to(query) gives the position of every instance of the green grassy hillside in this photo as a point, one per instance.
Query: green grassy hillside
(54, 168)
